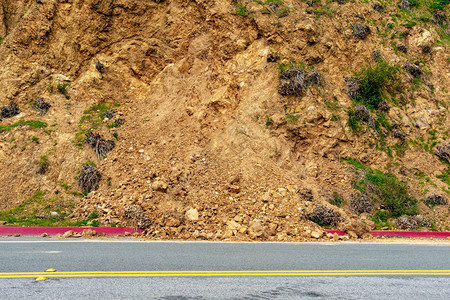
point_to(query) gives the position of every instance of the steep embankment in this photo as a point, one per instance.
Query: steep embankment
(232, 119)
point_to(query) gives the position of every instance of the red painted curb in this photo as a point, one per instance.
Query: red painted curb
(418, 234)
(55, 230)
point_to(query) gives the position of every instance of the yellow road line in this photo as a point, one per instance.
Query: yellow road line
(229, 271)
(225, 273)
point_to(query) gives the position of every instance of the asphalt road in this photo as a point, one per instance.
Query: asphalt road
(128, 269)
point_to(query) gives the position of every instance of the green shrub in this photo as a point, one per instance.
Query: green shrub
(438, 4)
(374, 81)
(62, 87)
(353, 120)
(387, 190)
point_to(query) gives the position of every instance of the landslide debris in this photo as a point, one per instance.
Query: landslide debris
(244, 119)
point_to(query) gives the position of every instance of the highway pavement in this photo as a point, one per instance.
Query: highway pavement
(131, 269)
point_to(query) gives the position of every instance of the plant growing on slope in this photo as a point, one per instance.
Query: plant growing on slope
(42, 164)
(374, 81)
(386, 190)
(324, 216)
(89, 178)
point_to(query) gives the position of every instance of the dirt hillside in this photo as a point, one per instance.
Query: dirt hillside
(226, 119)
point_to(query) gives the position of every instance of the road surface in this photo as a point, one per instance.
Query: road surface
(129, 269)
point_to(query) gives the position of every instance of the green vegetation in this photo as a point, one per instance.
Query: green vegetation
(375, 81)
(31, 124)
(292, 118)
(62, 87)
(386, 190)
(268, 2)
(241, 10)
(290, 65)
(269, 121)
(89, 163)
(43, 164)
(445, 177)
(381, 220)
(338, 199)
(353, 120)
(437, 4)
(91, 120)
(41, 211)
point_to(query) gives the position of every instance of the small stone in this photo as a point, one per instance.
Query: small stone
(173, 222)
(272, 229)
(2, 222)
(17, 235)
(233, 225)
(44, 234)
(256, 229)
(317, 234)
(159, 186)
(54, 214)
(235, 179)
(68, 234)
(282, 191)
(192, 214)
(89, 233)
(352, 234)
(266, 197)
(243, 229)
(234, 189)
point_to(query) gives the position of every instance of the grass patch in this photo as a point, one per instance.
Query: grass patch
(41, 211)
(241, 10)
(91, 120)
(337, 199)
(386, 190)
(381, 220)
(438, 4)
(375, 80)
(31, 124)
(445, 177)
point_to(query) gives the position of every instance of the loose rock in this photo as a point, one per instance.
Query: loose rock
(192, 214)
(159, 186)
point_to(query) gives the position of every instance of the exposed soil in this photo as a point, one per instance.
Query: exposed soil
(204, 144)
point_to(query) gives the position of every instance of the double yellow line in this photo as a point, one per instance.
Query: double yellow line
(226, 273)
